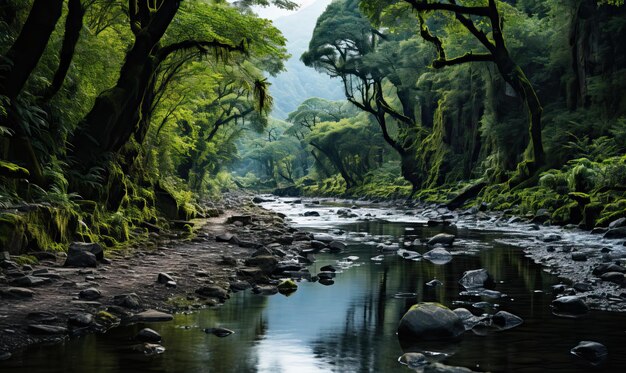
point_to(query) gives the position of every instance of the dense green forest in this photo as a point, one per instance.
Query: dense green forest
(117, 114)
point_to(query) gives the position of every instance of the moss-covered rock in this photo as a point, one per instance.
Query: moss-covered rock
(12, 233)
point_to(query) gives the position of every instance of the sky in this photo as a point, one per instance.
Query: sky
(272, 12)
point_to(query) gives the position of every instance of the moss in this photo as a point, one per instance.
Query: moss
(591, 213)
(12, 232)
(570, 213)
(25, 259)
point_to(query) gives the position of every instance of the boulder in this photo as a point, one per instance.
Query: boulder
(505, 320)
(311, 213)
(265, 290)
(442, 239)
(80, 320)
(219, 332)
(224, 237)
(318, 245)
(46, 329)
(164, 278)
(615, 277)
(151, 316)
(17, 293)
(608, 267)
(438, 255)
(328, 268)
(29, 281)
(78, 247)
(592, 352)
(477, 279)
(213, 291)
(413, 360)
(326, 238)
(430, 321)
(336, 246)
(90, 294)
(287, 286)
(130, 300)
(267, 263)
(148, 335)
(616, 233)
(579, 257)
(621, 222)
(81, 260)
(570, 305)
(243, 219)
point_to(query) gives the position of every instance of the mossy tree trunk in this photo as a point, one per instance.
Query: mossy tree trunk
(497, 53)
(22, 59)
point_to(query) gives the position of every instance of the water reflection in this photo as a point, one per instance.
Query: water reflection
(351, 325)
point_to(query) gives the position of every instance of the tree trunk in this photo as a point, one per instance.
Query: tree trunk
(116, 112)
(73, 26)
(29, 46)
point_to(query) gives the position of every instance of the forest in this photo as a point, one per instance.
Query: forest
(114, 114)
(121, 118)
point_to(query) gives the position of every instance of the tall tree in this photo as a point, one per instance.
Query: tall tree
(474, 18)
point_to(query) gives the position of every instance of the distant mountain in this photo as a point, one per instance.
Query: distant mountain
(299, 82)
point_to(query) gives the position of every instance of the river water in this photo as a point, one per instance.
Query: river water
(350, 326)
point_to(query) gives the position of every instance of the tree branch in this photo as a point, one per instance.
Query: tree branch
(467, 57)
(423, 6)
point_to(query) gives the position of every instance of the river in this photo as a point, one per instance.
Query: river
(350, 326)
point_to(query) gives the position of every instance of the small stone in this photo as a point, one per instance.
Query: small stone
(213, 291)
(148, 335)
(130, 300)
(265, 290)
(311, 213)
(434, 283)
(616, 233)
(336, 246)
(579, 257)
(442, 239)
(224, 237)
(80, 319)
(5, 355)
(29, 281)
(582, 287)
(592, 352)
(164, 278)
(42, 317)
(46, 329)
(569, 306)
(90, 294)
(413, 360)
(17, 293)
(152, 316)
(219, 332)
(615, 277)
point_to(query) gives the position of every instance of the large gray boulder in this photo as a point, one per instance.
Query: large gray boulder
(430, 321)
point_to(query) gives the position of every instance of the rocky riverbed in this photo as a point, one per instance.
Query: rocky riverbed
(70, 295)
(256, 243)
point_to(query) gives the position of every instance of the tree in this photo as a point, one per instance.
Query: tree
(473, 18)
(117, 112)
(344, 45)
